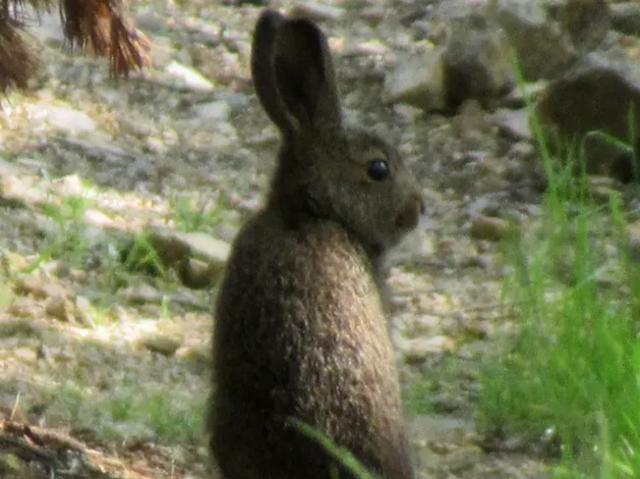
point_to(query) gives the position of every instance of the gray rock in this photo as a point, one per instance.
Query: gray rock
(418, 349)
(176, 247)
(61, 308)
(197, 274)
(625, 17)
(188, 77)
(40, 287)
(488, 228)
(215, 110)
(513, 124)
(517, 97)
(477, 62)
(317, 11)
(542, 47)
(418, 81)
(597, 94)
(63, 118)
(586, 21)
(633, 235)
(162, 344)
(603, 157)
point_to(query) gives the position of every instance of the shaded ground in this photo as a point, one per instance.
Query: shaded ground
(106, 347)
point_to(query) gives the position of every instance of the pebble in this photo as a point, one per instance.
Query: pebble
(488, 228)
(418, 349)
(61, 308)
(189, 77)
(317, 11)
(162, 344)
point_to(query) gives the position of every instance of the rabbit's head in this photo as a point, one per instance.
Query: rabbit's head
(326, 169)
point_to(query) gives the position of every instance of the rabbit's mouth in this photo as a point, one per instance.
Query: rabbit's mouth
(408, 217)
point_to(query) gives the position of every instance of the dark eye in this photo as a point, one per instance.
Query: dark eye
(378, 170)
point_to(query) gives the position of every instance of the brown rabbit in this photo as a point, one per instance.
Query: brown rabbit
(300, 330)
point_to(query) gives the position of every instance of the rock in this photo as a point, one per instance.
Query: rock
(151, 21)
(373, 14)
(25, 354)
(514, 124)
(317, 11)
(65, 119)
(215, 110)
(197, 274)
(625, 17)
(189, 77)
(586, 21)
(39, 287)
(141, 294)
(84, 312)
(604, 157)
(543, 49)
(162, 344)
(61, 308)
(477, 62)
(596, 94)
(25, 308)
(516, 98)
(173, 247)
(418, 349)
(418, 81)
(633, 235)
(488, 228)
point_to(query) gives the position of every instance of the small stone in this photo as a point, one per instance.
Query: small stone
(489, 228)
(633, 235)
(215, 110)
(61, 308)
(197, 274)
(373, 14)
(625, 17)
(24, 308)
(514, 124)
(66, 119)
(174, 247)
(39, 287)
(572, 105)
(84, 312)
(418, 349)
(25, 354)
(317, 11)
(189, 77)
(419, 82)
(477, 62)
(542, 47)
(586, 21)
(141, 294)
(162, 344)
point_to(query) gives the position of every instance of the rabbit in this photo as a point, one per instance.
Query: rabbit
(300, 331)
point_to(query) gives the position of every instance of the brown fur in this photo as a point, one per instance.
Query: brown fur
(300, 330)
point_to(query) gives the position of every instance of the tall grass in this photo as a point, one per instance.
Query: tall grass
(573, 371)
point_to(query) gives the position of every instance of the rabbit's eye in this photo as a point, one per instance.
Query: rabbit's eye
(378, 170)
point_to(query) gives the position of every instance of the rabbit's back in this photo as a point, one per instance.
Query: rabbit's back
(300, 333)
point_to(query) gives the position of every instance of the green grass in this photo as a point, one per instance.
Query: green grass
(196, 215)
(142, 257)
(130, 412)
(340, 454)
(67, 240)
(573, 370)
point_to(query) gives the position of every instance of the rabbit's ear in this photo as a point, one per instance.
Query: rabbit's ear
(263, 72)
(305, 76)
